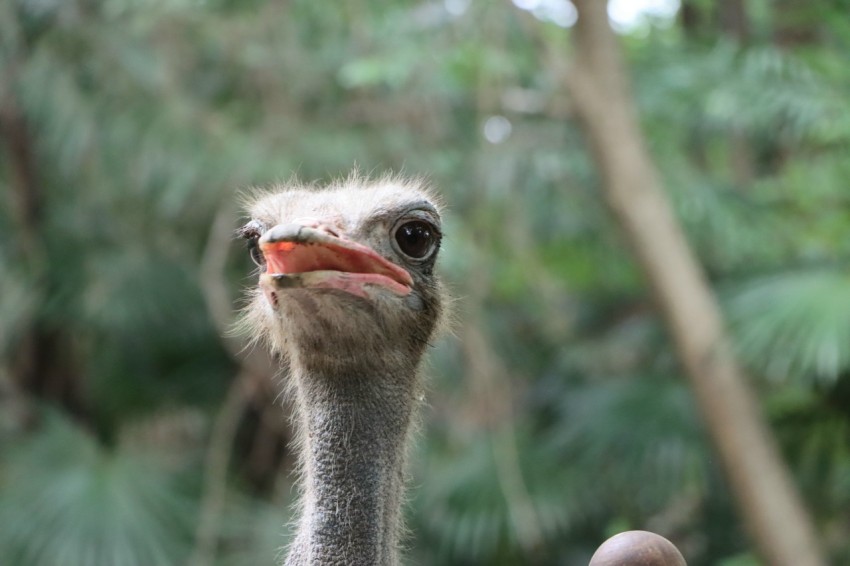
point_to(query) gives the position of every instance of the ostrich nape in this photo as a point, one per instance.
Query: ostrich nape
(347, 294)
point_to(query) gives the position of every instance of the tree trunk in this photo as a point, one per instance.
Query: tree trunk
(42, 360)
(766, 497)
(702, 20)
(797, 24)
(733, 20)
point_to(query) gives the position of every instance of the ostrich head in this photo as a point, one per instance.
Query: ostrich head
(347, 294)
(347, 272)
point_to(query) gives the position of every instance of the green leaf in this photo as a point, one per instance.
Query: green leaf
(794, 326)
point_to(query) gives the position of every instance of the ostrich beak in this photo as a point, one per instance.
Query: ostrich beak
(299, 256)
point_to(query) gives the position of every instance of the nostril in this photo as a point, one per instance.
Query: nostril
(330, 226)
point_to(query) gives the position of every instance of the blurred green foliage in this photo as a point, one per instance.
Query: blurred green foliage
(558, 414)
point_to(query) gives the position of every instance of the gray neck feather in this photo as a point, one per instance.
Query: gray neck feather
(354, 427)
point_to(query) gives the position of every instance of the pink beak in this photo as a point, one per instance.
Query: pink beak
(299, 256)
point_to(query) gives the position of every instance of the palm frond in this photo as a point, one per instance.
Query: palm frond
(640, 437)
(794, 326)
(65, 500)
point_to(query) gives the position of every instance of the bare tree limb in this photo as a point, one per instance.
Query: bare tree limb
(216, 292)
(215, 478)
(36, 366)
(256, 372)
(490, 383)
(764, 492)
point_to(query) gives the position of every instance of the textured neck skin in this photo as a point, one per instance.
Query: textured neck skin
(354, 423)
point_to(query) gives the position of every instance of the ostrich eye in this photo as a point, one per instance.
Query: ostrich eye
(251, 233)
(416, 238)
(254, 250)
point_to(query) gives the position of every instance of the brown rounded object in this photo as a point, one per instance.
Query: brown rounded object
(637, 548)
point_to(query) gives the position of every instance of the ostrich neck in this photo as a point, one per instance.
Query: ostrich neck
(354, 425)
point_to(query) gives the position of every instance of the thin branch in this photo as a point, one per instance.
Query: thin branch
(491, 383)
(217, 462)
(255, 374)
(216, 292)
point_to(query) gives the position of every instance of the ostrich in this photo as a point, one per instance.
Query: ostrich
(347, 295)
